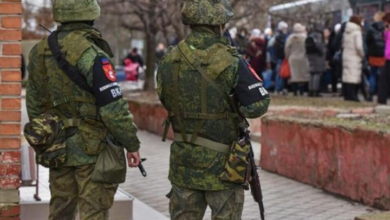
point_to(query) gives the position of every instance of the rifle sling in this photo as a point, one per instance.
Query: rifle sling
(71, 71)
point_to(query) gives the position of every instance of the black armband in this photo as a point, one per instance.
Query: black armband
(105, 86)
(249, 87)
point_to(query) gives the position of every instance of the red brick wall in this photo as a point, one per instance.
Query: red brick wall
(10, 106)
(149, 117)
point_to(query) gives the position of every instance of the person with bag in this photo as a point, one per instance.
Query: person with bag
(376, 52)
(131, 70)
(195, 80)
(315, 50)
(353, 57)
(136, 58)
(278, 43)
(79, 123)
(296, 55)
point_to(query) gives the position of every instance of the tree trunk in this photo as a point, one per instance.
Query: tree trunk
(151, 32)
(150, 63)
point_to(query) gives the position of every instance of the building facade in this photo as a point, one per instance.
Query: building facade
(368, 8)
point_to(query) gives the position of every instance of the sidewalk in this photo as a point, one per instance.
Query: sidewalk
(284, 198)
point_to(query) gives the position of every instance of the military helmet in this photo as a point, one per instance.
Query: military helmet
(206, 12)
(75, 10)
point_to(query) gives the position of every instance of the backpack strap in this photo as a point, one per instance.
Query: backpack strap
(195, 63)
(176, 98)
(74, 75)
(71, 71)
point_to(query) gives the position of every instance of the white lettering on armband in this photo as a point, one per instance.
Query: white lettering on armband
(255, 86)
(116, 92)
(108, 86)
(263, 91)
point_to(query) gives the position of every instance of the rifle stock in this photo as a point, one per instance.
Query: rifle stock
(255, 185)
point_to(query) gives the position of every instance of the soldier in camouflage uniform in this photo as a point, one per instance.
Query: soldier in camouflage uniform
(204, 124)
(88, 118)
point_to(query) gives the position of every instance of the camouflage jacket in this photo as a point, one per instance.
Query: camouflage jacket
(98, 115)
(196, 108)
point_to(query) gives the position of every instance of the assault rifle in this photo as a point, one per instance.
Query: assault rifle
(252, 180)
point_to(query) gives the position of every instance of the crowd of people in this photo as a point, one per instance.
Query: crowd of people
(315, 59)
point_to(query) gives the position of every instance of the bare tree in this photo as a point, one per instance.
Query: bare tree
(33, 16)
(158, 19)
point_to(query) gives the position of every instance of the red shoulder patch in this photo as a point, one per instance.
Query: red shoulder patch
(110, 72)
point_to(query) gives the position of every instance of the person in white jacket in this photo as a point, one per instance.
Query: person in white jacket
(353, 55)
(296, 54)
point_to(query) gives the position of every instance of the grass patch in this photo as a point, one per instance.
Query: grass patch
(375, 123)
(323, 102)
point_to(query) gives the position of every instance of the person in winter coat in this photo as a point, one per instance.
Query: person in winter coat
(296, 54)
(160, 52)
(315, 50)
(353, 55)
(326, 78)
(336, 69)
(131, 70)
(384, 79)
(257, 52)
(241, 41)
(376, 50)
(136, 58)
(278, 43)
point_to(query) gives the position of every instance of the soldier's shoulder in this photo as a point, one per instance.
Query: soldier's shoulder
(92, 53)
(35, 51)
(41, 44)
(88, 58)
(227, 49)
(223, 56)
(171, 55)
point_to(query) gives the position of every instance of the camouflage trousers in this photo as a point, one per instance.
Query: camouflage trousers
(71, 189)
(187, 204)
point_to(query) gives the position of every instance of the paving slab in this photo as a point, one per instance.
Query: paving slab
(38, 210)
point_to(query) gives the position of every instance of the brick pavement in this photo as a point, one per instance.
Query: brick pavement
(284, 198)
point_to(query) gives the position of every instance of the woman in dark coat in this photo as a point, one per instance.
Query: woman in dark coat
(376, 51)
(257, 52)
(315, 50)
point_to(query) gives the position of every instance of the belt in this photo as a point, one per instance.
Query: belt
(73, 122)
(212, 145)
